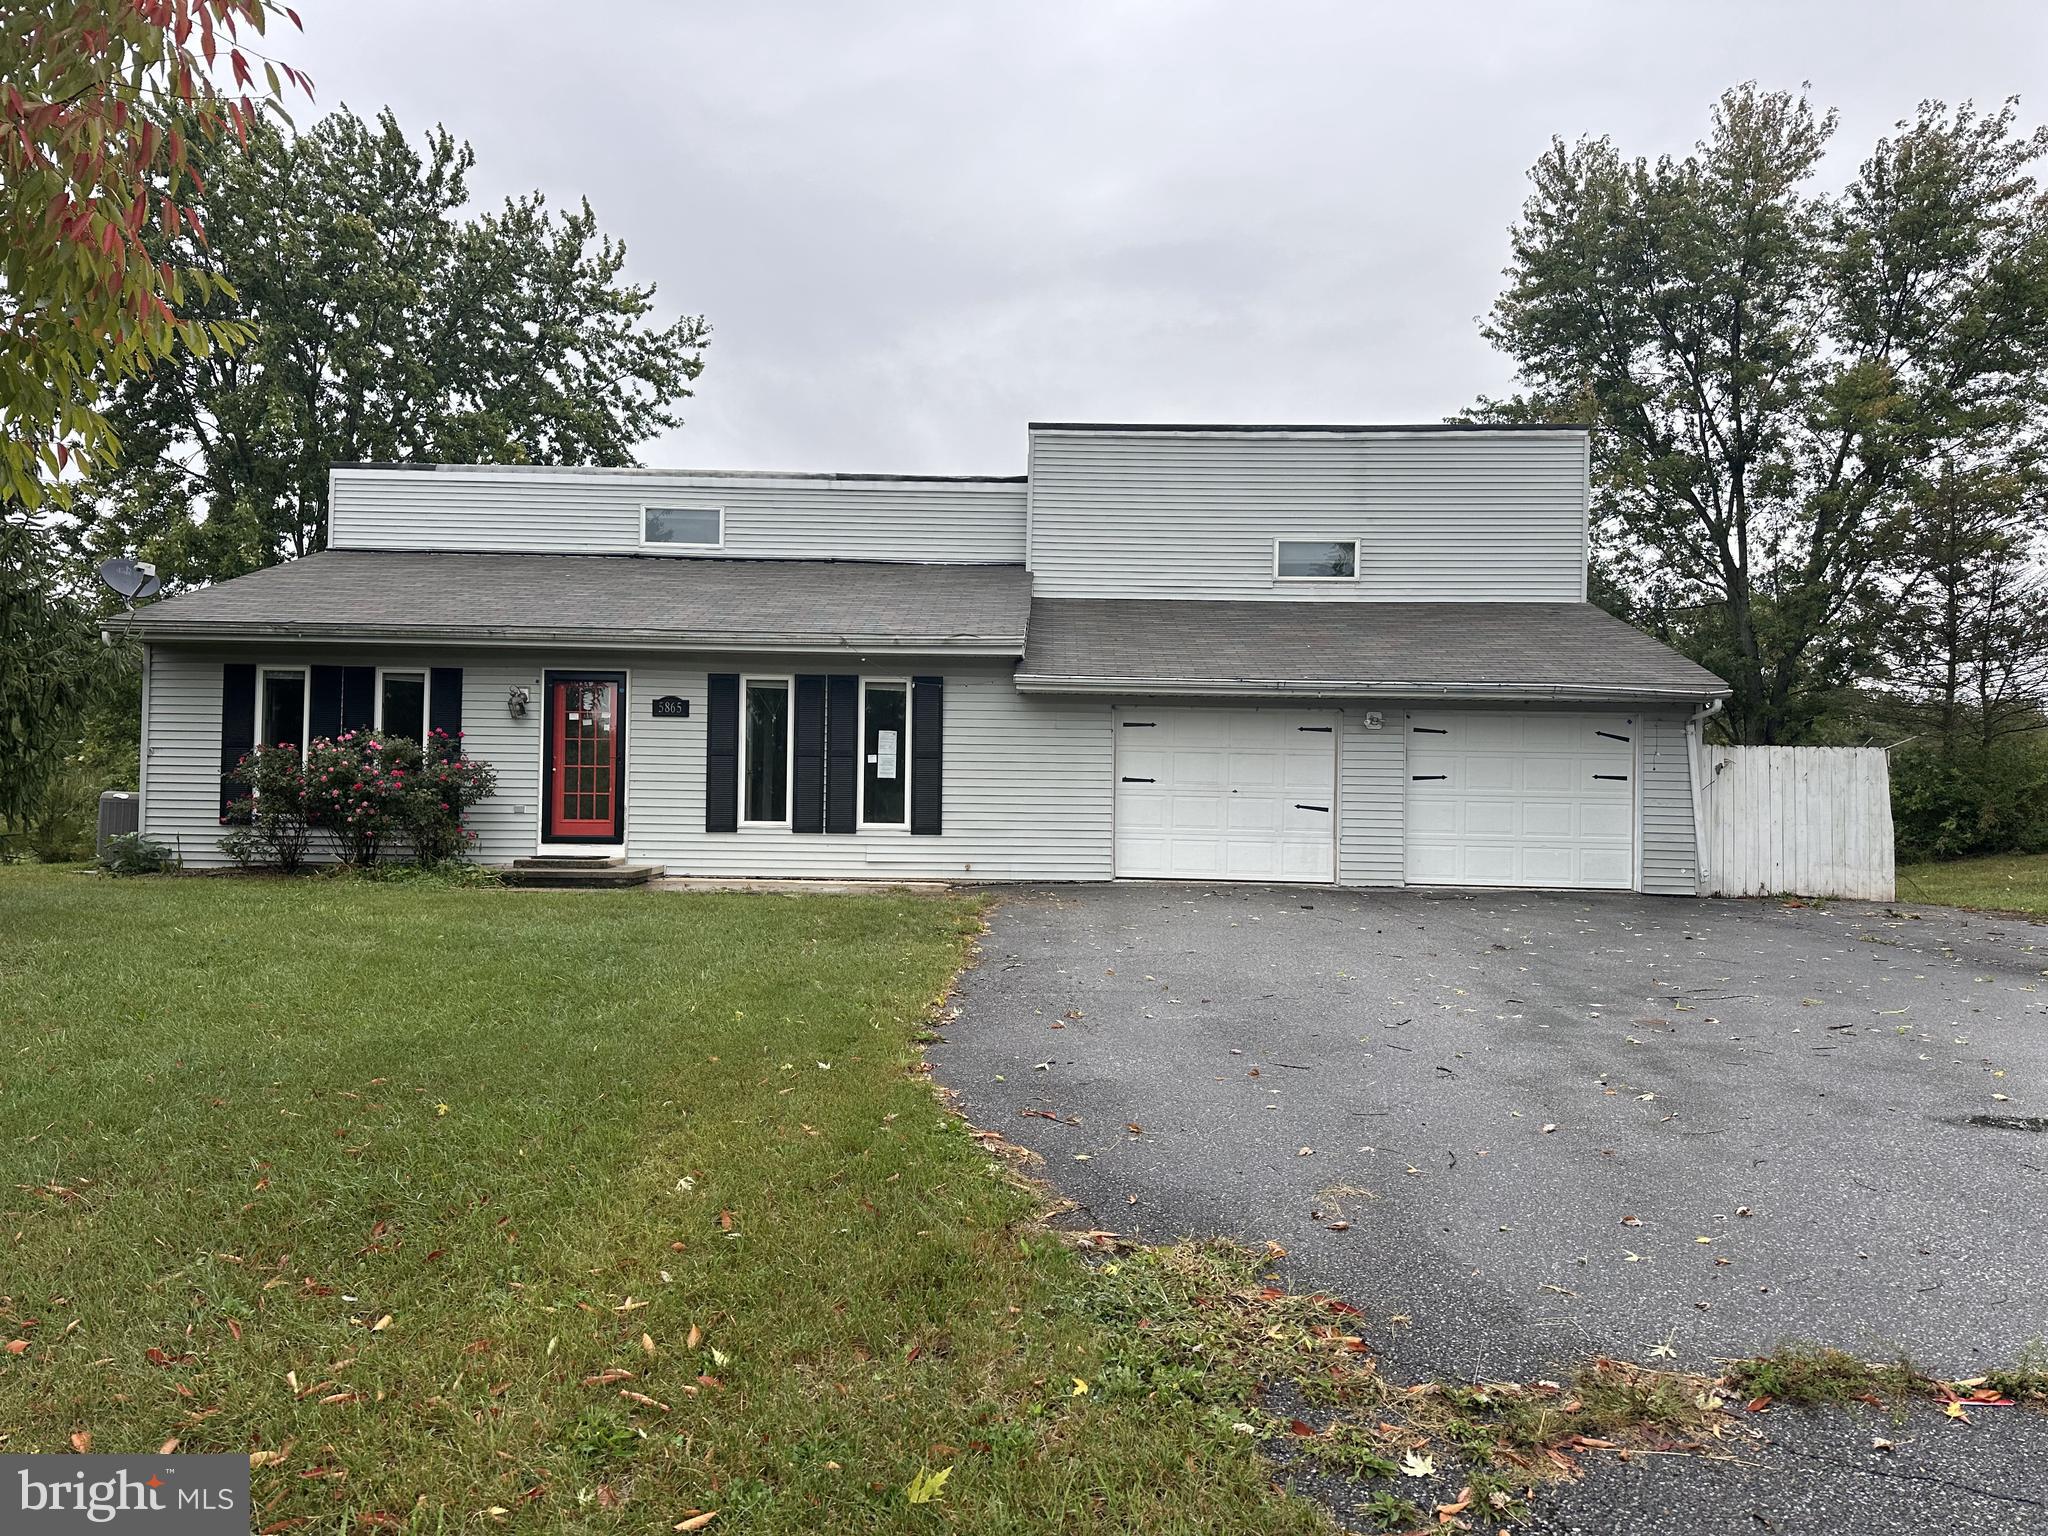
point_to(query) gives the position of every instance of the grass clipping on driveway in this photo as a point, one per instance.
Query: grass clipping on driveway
(464, 1209)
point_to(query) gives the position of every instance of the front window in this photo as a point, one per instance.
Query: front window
(684, 527)
(764, 751)
(1315, 559)
(281, 710)
(402, 704)
(885, 751)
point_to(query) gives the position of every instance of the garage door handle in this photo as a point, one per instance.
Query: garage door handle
(1323, 808)
(1618, 777)
(1418, 777)
(1129, 780)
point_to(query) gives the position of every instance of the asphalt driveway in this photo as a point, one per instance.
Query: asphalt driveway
(1524, 1128)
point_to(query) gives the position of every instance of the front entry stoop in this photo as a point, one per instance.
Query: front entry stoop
(574, 872)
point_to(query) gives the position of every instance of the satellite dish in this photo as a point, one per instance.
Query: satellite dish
(131, 578)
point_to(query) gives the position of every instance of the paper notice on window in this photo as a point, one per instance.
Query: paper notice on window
(885, 754)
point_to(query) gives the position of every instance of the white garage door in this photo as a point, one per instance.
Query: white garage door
(1226, 794)
(1496, 798)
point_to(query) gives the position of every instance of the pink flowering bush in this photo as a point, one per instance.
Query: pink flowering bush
(445, 787)
(368, 790)
(356, 788)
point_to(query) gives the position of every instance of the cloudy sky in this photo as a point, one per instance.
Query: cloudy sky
(917, 224)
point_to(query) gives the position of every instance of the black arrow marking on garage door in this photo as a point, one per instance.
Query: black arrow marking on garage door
(1323, 728)
(1429, 730)
(1300, 807)
(1620, 777)
(1129, 780)
(1420, 776)
(1139, 725)
(1611, 736)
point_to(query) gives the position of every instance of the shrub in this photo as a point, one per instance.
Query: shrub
(271, 824)
(445, 787)
(1973, 802)
(133, 854)
(370, 790)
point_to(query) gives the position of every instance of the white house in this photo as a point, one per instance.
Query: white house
(1359, 655)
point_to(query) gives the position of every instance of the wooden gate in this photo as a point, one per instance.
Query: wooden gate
(1805, 821)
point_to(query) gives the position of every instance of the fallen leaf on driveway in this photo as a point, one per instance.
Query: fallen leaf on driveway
(1630, 1221)
(1418, 1464)
(1306, 1152)
(697, 1522)
(1954, 1409)
(1444, 1512)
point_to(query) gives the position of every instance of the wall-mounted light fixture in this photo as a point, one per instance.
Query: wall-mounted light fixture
(516, 702)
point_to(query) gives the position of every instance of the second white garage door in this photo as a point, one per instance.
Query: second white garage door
(1226, 794)
(1501, 798)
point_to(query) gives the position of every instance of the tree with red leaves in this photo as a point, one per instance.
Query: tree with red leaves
(100, 104)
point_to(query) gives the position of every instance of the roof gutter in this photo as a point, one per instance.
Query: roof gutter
(1361, 688)
(599, 640)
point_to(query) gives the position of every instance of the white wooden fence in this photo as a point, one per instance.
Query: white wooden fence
(1806, 821)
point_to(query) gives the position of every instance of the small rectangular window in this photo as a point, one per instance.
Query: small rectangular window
(683, 527)
(765, 751)
(402, 705)
(885, 751)
(283, 710)
(1315, 559)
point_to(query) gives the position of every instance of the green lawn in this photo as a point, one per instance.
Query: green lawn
(2016, 882)
(496, 1210)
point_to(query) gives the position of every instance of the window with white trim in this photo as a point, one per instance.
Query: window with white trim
(282, 708)
(767, 751)
(1315, 559)
(402, 704)
(885, 752)
(682, 527)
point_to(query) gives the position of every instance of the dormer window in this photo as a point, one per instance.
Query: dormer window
(1315, 559)
(682, 527)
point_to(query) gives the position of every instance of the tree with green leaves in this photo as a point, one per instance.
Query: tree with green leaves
(1771, 371)
(388, 323)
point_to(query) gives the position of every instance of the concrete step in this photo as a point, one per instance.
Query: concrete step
(604, 876)
(569, 861)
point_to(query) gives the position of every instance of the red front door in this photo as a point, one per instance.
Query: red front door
(586, 760)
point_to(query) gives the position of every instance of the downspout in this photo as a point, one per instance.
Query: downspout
(1696, 753)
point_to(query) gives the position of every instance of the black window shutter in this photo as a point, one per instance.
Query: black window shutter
(358, 698)
(237, 724)
(444, 700)
(324, 717)
(807, 810)
(722, 753)
(842, 752)
(927, 755)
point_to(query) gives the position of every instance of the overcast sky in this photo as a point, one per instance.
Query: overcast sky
(915, 226)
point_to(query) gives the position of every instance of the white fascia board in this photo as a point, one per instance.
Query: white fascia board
(610, 640)
(1353, 688)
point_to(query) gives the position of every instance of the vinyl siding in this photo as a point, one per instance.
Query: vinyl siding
(1438, 516)
(1027, 780)
(1670, 850)
(595, 512)
(1372, 771)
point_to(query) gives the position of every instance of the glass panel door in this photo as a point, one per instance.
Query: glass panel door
(584, 759)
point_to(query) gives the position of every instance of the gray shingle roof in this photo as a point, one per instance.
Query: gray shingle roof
(1498, 650)
(656, 600)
